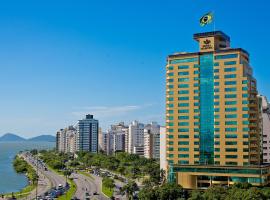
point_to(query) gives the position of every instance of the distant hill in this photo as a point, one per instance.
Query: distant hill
(43, 138)
(10, 137)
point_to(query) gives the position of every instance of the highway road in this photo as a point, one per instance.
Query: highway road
(86, 184)
(47, 179)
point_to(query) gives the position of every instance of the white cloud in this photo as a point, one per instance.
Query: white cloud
(108, 111)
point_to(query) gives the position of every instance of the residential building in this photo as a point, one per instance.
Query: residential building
(135, 137)
(152, 140)
(87, 130)
(265, 111)
(66, 140)
(117, 138)
(213, 128)
(162, 159)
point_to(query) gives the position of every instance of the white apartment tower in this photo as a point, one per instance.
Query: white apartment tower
(152, 141)
(265, 111)
(135, 137)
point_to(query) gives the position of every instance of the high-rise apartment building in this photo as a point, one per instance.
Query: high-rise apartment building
(152, 140)
(212, 116)
(66, 140)
(265, 112)
(117, 138)
(136, 138)
(162, 158)
(87, 130)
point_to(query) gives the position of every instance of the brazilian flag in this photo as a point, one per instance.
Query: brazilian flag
(206, 19)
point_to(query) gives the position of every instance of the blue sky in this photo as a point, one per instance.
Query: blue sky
(62, 59)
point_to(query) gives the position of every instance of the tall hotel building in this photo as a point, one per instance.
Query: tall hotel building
(213, 131)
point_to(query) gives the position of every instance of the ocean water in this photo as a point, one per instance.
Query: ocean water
(10, 181)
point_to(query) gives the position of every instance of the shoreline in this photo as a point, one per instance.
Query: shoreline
(26, 190)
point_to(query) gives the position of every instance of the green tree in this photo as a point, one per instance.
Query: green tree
(108, 182)
(196, 195)
(215, 193)
(129, 189)
(170, 191)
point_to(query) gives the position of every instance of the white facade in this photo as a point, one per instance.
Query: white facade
(135, 136)
(163, 162)
(66, 140)
(265, 129)
(117, 138)
(152, 140)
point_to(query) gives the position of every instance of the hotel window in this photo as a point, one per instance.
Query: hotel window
(230, 109)
(231, 143)
(183, 124)
(231, 163)
(170, 68)
(170, 74)
(170, 117)
(183, 130)
(170, 148)
(183, 162)
(230, 102)
(183, 67)
(196, 104)
(216, 109)
(196, 117)
(183, 136)
(231, 129)
(183, 104)
(246, 129)
(230, 89)
(230, 76)
(216, 90)
(183, 149)
(196, 136)
(170, 111)
(183, 73)
(183, 155)
(216, 83)
(217, 123)
(196, 91)
(196, 143)
(230, 63)
(217, 136)
(231, 149)
(245, 102)
(216, 103)
(170, 99)
(196, 110)
(170, 124)
(196, 78)
(226, 56)
(245, 136)
(216, 70)
(231, 123)
(245, 88)
(196, 130)
(245, 95)
(196, 97)
(230, 95)
(183, 86)
(245, 109)
(170, 86)
(170, 142)
(230, 82)
(183, 111)
(196, 85)
(183, 60)
(183, 143)
(196, 149)
(245, 156)
(216, 116)
(171, 156)
(217, 143)
(170, 105)
(196, 72)
(245, 115)
(183, 80)
(196, 66)
(244, 81)
(231, 156)
(245, 143)
(183, 92)
(246, 122)
(216, 64)
(217, 149)
(170, 136)
(183, 98)
(216, 77)
(183, 117)
(231, 116)
(170, 92)
(230, 136)
(196, 123)
(216, 129)
(230, 69)
(217, 156)
(216, 96)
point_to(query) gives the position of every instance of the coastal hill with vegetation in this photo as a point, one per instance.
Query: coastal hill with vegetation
(11, 137)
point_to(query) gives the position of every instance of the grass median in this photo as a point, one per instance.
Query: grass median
(107, 191)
